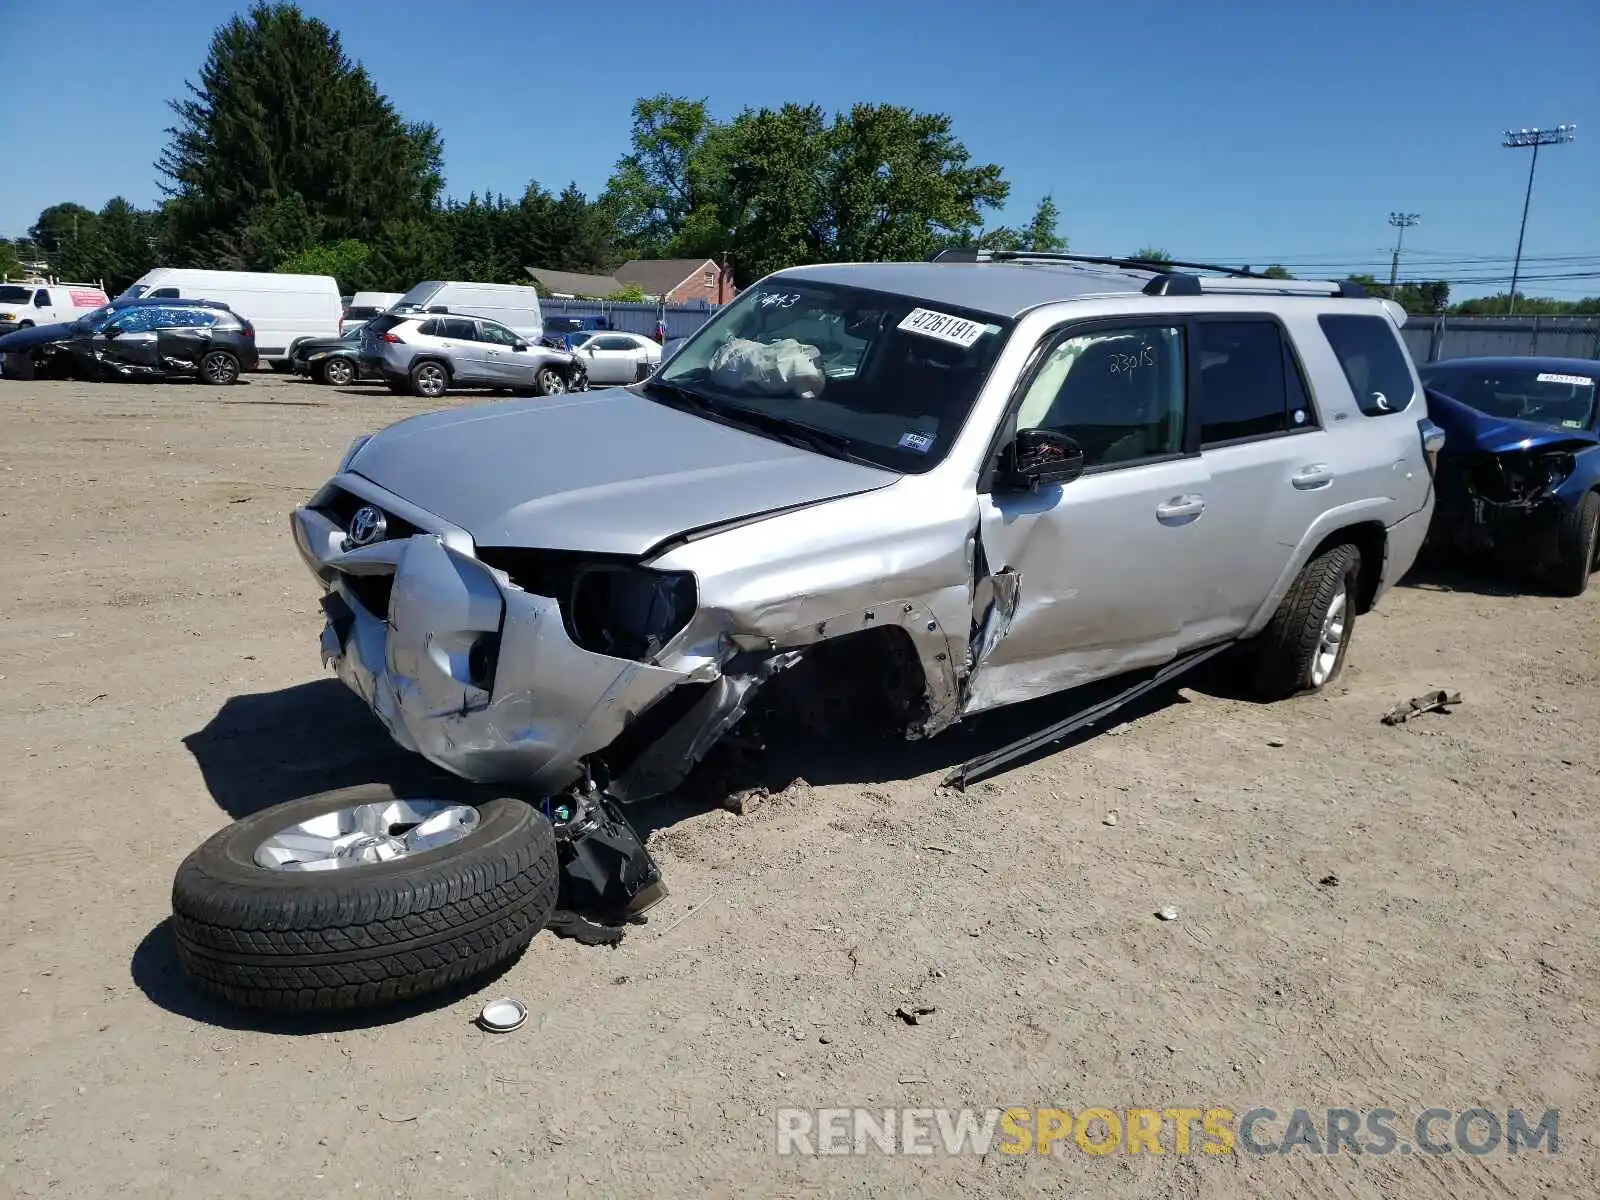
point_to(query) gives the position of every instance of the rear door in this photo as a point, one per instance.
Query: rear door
(469, 360)
(183, 335)
(612, 358)
(1268, 461)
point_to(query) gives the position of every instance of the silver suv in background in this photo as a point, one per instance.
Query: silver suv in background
(428, 354)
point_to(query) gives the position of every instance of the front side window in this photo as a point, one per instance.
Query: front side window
(856, 373)
(457, 328)
(1119, 393)
(614, 343)
(42, 300)
(1246, 387)
(1549, 395)
(497, 335)
(1374, 361)
(137, 320)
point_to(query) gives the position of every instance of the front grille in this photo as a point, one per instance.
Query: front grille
(341, 505)
(371, 592)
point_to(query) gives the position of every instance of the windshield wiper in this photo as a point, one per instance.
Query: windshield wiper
(688, 396)
(834, 445)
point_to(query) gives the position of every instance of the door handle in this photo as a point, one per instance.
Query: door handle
(1309, 479)
(1180, 510)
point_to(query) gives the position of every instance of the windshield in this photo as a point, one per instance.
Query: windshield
(15, 295)
(888, 379)
(1523, 393)
(93, 320)
(361, 312)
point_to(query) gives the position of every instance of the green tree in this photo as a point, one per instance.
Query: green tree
(1276, 271)
(1150, 254)
(665, 191)
(10, 260)
(348, 261)
(60, 228)
(1041, 233)
(282, 127)
(628, 294)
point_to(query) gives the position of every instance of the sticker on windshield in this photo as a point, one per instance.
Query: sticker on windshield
(1574, 380)
(1572, 424)
(958, 331)
(920, 442)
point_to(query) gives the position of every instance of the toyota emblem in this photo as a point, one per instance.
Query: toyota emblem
(367, 526)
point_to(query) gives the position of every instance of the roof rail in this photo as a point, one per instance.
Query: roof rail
(1169, 282)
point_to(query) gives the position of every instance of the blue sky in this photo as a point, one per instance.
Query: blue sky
(1251, 131)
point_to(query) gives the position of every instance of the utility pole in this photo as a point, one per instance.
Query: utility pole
(1402, 222)
(1516, 139)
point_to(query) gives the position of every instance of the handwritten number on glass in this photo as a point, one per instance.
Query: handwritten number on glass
(1126, 364)
(778, 299)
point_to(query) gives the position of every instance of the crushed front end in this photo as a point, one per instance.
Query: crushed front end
(1503, 504)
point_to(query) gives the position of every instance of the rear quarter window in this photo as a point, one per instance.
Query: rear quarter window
(1373, 360)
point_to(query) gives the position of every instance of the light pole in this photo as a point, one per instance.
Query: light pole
(1402, 222)
(1516, 139)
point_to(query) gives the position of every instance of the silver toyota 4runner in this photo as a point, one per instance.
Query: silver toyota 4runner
(909, 492)
(1002, 475)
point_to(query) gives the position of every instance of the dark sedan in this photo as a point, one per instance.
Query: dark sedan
(136, 339)
(335, 360)
(1519, 476)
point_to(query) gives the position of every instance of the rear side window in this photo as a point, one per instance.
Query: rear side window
(196, 318)
(384, 322)
(166, 293)
(1374, 362)
(1250, 385)
(456, 327)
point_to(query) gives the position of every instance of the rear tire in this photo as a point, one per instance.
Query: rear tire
(429, 380)
(1303, 647)
(1577, 541)
(220, 369)
(366, 934)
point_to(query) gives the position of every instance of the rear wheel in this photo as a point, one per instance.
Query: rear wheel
(1303, 647)
(219, 368)
(338, 372)
(1577, 543)
(362, 897)
(550, 382)
(429, 380)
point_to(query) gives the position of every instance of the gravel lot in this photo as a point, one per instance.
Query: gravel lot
(159, 675)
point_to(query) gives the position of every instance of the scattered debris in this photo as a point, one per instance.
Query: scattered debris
(825, 1039)
(1328, 880)
(1111, 818)
(1430, 702)
(913, 1079)
(1277, 743)
(912, 1014)
(499, 1016)
(744, 802)
(939, 849)
(1167, 913)
(397, 1120)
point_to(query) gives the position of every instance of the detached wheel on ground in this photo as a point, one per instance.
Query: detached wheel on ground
(430, 380)
(1303, 647)
(362, 897)
(219, 368)
(338, 372)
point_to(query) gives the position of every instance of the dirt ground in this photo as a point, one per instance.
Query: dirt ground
(159, 674)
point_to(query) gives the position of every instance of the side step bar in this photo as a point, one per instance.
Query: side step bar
(987, 764)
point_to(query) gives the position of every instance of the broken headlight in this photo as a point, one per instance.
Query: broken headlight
(613, 607)
(629, 612)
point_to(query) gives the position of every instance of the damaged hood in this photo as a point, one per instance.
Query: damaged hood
(1469, 431)
(607, 472)
(38, 335)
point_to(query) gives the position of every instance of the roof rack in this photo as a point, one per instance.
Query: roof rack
(1166, 281)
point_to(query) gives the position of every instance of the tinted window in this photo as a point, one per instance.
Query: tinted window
(1523, 392)
(42, 300)
(614, 343)
(166, 293)
(456, 327)
(1244, 391)
(15, 295)
(497, 335)
(1118, 392)
(1374, 362)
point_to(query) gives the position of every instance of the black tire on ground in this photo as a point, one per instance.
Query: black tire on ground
(550, 382)
(1577, 538)
(281, 366)
(429, 380)
(21, 367)
(337, 371)
(399, 389)
(355, 937)
(1285, 652)
(220, 368)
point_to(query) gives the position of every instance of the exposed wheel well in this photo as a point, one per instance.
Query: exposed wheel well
(1371, 539)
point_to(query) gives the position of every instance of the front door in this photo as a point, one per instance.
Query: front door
(1096, 573)
(506, 366)
(128, 342)
(612, 359)
(469, 359)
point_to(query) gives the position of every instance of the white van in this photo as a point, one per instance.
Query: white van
(364, 306)
(281, 307)
(512, 305)
(26, 304)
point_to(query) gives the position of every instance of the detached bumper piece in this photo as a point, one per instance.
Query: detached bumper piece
(608, 878)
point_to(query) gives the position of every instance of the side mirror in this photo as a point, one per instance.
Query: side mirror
(519, 345)
(1041, 458)
(112, 331)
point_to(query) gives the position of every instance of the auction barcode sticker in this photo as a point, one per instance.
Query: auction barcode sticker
(958, 331)
(1574, 380)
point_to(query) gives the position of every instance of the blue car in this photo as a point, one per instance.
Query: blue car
(1519, 476)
